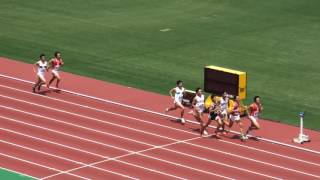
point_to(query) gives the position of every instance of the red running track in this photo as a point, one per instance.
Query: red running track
(63, 136)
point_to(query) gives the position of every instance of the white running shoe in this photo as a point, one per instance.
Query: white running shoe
(167, 110)
(182, 121)
(205, 132)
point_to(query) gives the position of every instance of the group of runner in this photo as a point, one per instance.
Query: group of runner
(42, 66)
(218, 111)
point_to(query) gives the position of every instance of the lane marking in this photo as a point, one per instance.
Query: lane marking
(96, 142)
(81, 116)
(157, 113)
(156, 124)
(42, 166)
(105, 158)
(59, 157)
(197, 157)
(153, 148)
(253, 160)
(215, 162)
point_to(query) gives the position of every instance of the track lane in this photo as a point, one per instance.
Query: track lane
(295, 167)
(79, 119)
(163, 121)
(140, 171)
(172, 159)
(144, 116)
(196, 155)
(47, 147)
(38, 158)
(105, 115)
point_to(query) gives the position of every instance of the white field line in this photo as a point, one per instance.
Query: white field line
(157, 113)
(42, 166)
(216, 162)
(103, 144)
(160, 125)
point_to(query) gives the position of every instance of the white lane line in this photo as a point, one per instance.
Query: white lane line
(99, 110)
(63, 158)
(16, 172)
(253, 160)
(157, 113)
(66, 134)
(100, 143)
(160, 125)
(40, 165)
(101, 156)
(82, 116)
(96, 142)
(153, 148)
(105, 158)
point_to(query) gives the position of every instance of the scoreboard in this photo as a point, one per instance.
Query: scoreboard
(218, 80)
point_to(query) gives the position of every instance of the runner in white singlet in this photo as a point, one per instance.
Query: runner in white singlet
(198, 105)
(224, 103)
(177, 96)
(42, 68)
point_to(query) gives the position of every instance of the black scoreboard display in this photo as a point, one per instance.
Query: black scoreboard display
(218, 80)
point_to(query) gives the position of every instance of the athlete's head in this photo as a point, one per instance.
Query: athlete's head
(179, 83)
(213, 96)
(257, 99)
(237, 98)
(225, 95)
(198, 91)
(215, 100)
(57, 54)
(42, 57)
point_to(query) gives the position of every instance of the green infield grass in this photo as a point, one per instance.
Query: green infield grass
(149, 44)
(6, 175)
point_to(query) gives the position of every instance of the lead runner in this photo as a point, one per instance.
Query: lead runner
(55, 64)
(177, 96)
(254, 111)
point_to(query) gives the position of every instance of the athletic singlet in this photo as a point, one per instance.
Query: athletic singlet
(224, 104)
(56, 64)
(200, 102)
(213, 113)
(42, 67)
(254, 110)
(178, 96)
(236, 109)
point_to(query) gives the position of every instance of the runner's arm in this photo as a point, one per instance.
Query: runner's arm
(35, 65)
(171, 92)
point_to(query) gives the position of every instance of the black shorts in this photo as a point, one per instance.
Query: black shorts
(213, 116)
